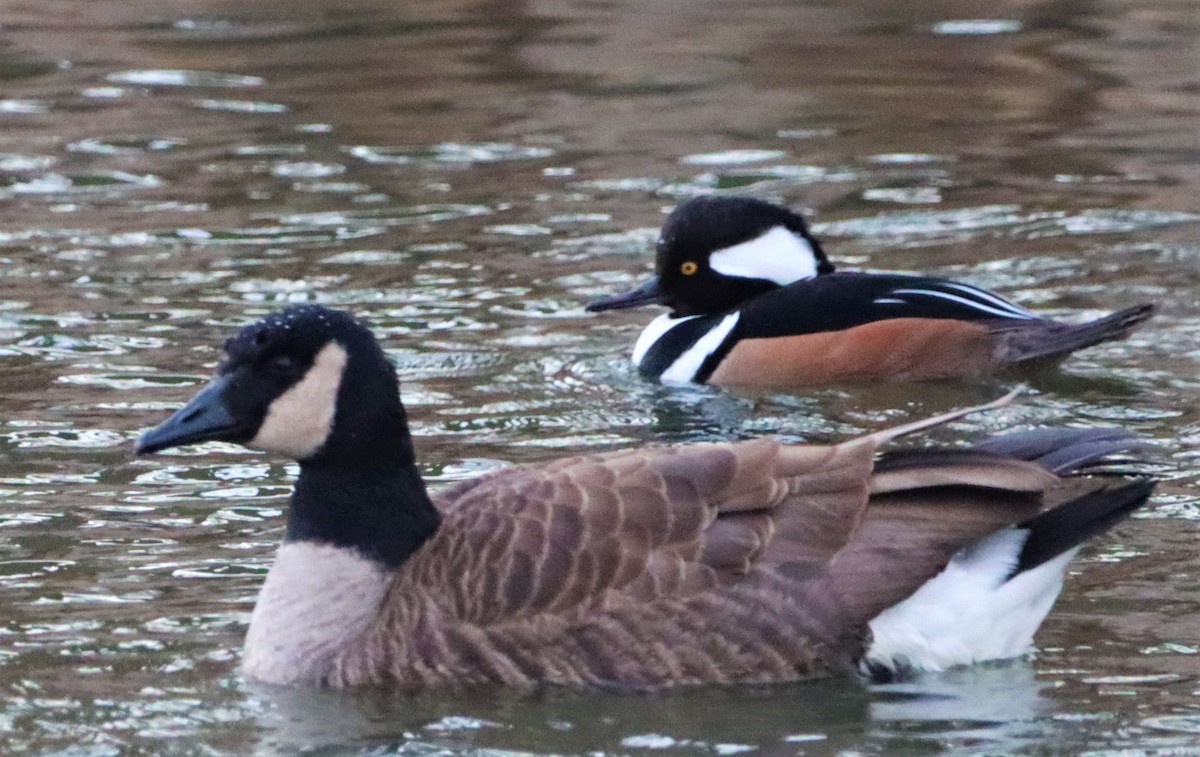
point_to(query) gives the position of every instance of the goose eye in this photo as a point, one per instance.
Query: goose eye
(282, 365)
(688, 268)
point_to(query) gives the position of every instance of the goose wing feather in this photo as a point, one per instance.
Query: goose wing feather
(644, 523)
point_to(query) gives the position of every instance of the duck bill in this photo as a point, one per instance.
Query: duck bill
(204, 418)
(649, 293)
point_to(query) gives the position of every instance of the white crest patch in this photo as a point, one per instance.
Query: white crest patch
(298, 421)
(969, 613)
(779, 255)
(317, 599)
(687, 365)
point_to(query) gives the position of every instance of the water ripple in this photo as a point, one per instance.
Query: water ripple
(977, 27)
(73, 438)
(449, 152)
(375, 218)
(183, 78)
(22, 163)
(124, 145)
(732, 157)
(946, 223)
(366, 257)
(240, 106)
(98, 181)
(22, 107)
(467, 203)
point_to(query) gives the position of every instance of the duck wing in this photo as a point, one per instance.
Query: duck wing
(862, 326)
(844, 300)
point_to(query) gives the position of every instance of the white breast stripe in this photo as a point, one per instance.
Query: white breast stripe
(685, 367)
(778, 255)
(987, 296)
(654, 331)
(964, 301)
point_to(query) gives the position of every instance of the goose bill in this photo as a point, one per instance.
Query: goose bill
(204, 418)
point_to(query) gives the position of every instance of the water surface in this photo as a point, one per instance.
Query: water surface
(465, 177)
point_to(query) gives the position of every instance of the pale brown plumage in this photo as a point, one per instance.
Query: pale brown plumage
(745, 562)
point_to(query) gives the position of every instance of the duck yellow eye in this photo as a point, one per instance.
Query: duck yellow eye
(688, 268)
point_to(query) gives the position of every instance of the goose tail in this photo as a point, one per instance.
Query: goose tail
(994, 593)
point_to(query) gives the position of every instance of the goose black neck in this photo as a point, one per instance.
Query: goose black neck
(380, 510)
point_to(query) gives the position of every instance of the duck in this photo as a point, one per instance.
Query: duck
(641, 569)
(755, 302)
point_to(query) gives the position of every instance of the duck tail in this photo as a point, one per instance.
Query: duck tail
(1058, 340)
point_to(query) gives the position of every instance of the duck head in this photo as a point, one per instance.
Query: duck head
(714, 253)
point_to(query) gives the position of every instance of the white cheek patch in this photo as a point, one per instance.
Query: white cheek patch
(779, 255)
(298, 421)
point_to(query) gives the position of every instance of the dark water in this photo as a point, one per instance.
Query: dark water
(466, 176)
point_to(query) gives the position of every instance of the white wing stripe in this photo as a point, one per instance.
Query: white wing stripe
(963, 301)
(983, 294)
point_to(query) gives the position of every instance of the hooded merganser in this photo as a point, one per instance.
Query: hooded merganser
(755, 302)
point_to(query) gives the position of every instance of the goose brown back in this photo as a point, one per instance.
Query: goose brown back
(748, 562)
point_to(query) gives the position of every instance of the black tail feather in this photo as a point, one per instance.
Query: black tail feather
(1071, 524)
(1055, 343)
